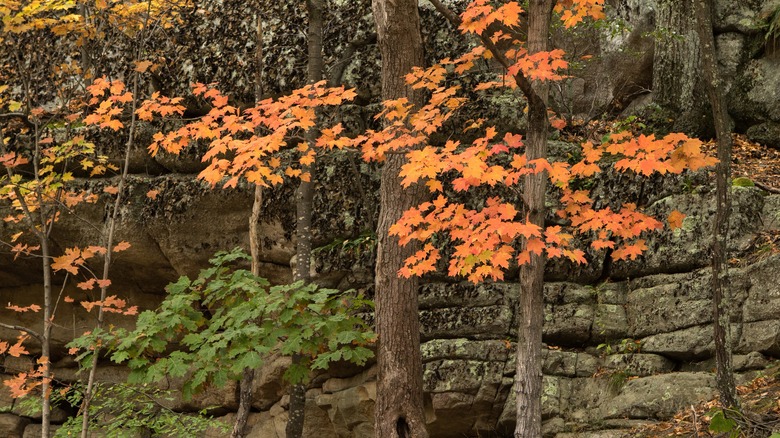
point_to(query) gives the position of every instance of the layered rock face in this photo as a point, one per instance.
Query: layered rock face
(627, 343)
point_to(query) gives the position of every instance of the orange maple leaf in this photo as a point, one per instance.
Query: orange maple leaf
(70, 261)
(675, 219)
(121, 246)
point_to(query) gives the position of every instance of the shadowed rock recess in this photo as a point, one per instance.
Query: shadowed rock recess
(626, 343)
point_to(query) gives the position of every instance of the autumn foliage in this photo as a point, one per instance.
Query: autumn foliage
(264, 145)
(486, 239)
(249, 143)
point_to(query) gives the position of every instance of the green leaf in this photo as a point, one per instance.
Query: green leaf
(120, 356)
(719, 423)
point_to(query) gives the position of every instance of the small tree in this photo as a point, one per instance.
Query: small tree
(229, 319)
(720, 285)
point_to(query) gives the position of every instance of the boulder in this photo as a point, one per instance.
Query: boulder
(766, 133)
(754, 97)
(12, 426)
(659, 397)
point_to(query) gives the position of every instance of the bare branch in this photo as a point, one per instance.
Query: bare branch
(337, 71)
(767, 188)
(30, 332)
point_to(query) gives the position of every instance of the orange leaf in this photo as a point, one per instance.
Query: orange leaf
(535, 246)
(142, 66)
(104, 283)
(17, 350)
(68, 262)
(121, 246)
(675, 219)
(86, 285)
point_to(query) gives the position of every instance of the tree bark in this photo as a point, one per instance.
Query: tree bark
(528, 377)
(677, 84)
(46, 344)
(720, 290)
(304, 207)
(246, 384)
(399, 407)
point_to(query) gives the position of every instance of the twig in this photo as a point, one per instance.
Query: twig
(767, 188)
(695, 422)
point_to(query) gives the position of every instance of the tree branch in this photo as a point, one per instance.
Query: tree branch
(337, 71)
(766, 188)
(534, 100)
(30, 332)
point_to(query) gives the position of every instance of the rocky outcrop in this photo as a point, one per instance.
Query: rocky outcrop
(618, 353)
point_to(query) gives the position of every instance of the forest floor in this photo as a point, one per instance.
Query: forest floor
(761, 164)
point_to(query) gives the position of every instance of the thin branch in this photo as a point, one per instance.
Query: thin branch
(22, 116)
(766, 188)
(30, 332)
(337, 71)
(535, 102)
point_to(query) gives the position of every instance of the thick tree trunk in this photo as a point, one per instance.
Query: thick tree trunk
(720, 291)
(677, 84)
(399, 406)
(528, 378)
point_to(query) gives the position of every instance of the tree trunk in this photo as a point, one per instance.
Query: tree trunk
(720, 291)
(399, 407)
(109, 244)
(304, 206)
(528, 378)
(255, 246)
(46, 344)
(677, 85)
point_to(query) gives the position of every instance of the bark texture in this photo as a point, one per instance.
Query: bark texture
(528, 377)
(399, 406)
(255, 247)
(677, 85)
(720, 291)
(304, 200)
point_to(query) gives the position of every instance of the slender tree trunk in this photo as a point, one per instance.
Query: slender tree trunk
(528, 378)
(42, 233)
(399, 406)
(46, 344)
(109, 243)
(304, 206)
(720, 290)
(246, 384)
